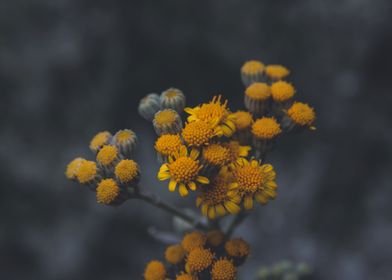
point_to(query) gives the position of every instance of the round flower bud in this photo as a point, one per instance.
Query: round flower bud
(108, 192)
(127, 172)
(252, 72)
(126, 141)
(276, 72)
(173, 98)
(199, 259)
(256, 98)
(108, 157)
(149, 105)
(193, 240)
(223, 269)
(99, 140)
(73, 168)
(87, 173)
(167, 122)
(155, 270)
(174, 254)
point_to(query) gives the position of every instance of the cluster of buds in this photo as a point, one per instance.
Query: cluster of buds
(113, 175)
(200, 256)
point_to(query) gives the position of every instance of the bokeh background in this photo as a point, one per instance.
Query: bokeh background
(71, 68)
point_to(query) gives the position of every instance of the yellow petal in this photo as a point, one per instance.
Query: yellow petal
(183, 151)
(267, 167)
(211, 212)
(232, 207)
(203, 180)
(183, 190)
(236, 199)
(194, 154)
(244, 151)
(199, 200)
(260, 198)
(220, 210)
(162, 176)
(189, 110)
(164, 168)
(272, 184)
(248, 202)
(227, 131)
(233, 186)
(254, 163)
(192, 186)
(172, 185)
(204, 209)
(271, 193)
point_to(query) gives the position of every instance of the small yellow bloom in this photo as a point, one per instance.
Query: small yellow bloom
(266, 128)
(167, 121)
(252, 67)
(243, 120)
(127, 171)
(252, 180)
(223, 269)
(99, 140)
(216, 113)
(155, 270)
(174, 254)
(193, 240)
(302, 114)
(168, 144)
(258, 91)
(199, 133)
(276, 72)
(87, 172)
(186, 276)
(73, 168)
(199, 259)
(216, 154)
(237, 248)
(107, 155)
(107, 191)
(183, 170)
(282, 91)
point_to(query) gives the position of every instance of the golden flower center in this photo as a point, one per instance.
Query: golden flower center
(242, 120)
(171, 94)
(215, 194)
(301, 113)
(155, 270)
(124, 135)
(266, 128)
(252, 67)
(199, 259)
(282, 91)
(107, 154)
(197, 133)
(212, 111)
(99, 140)
(185, 276)
(168, 144)
(87, 171)
(216, 154)
(166, 117)
(107, 191)
(258, 91)
(126, 170)
(184, 169)
(223, 269)
(249, 178)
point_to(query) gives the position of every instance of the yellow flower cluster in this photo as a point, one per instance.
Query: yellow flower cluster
(200, 256)
(113, 171)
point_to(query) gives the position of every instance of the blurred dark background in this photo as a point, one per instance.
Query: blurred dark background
(69, 69)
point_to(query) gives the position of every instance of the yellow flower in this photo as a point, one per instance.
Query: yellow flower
(282, 91)
(237, 248)
(252, 67)
(252, 180)
(216, 154)
(266, 128)
(174, 254)
(183, 170)
(217, 199)
(127, 171)
(168, 144)
(155, 270)
(99, 140)
(216, 113)
(302, 114)
(199, 133)
(199, 259)
(107, 191)
(73, 167)
(167, 121)
(107, 155)
(223, 269)
(87, 172)
(258, 91)
(186, 276)
(193, 240)
(276, 72)
(243, 120)
(237, 151)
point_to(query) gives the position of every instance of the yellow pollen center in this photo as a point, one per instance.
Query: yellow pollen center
(184, 169)
(249, 178)
(216, 154)
(174, 254)
(199, 259)
(258, 91)
(301, 113)
(165, 117)
(107, 154)
(197, 133)
(99, 140)
(237, 248)
(282, 91)
(243, 120)
(193, 240)
(73, 167)
(171, 94)
(266, 128)
(252, 67)
(126, 170)
(107, 191)
(276, 71)
(168, 144)
(87, 171)
(123, 136)
(155, 270)
(213, 111)
(223, 269)
(215, 194)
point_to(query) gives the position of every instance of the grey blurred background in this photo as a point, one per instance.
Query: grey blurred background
(69, 69)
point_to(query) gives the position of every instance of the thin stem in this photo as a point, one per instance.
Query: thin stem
(157, 202)
(236, 222)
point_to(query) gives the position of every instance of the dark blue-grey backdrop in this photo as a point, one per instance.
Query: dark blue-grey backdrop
(71, 68)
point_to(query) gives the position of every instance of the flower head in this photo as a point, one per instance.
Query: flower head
(174, 254)
(149, 105)
(217, 199)
(183, 170)
(252, 67)
(223, 269)
(107, 155)
(127, 171)
(243, 120)
(186, 276)
(282, 91)
(266, 128)
(216, 154)
(237, 151)
(155, 270)
(167, 121)
(215, 238)
(168, 144)
(237, 248)
(215, 112)
(302, 114)
(87, 172)
(276, 72)
(173, 98)
(73, 167)
(125, 140)
(199, 259)
(253, 180)
(107, 191)
(99, 140)
(199, 133)
(193, 240)
(258, 91)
